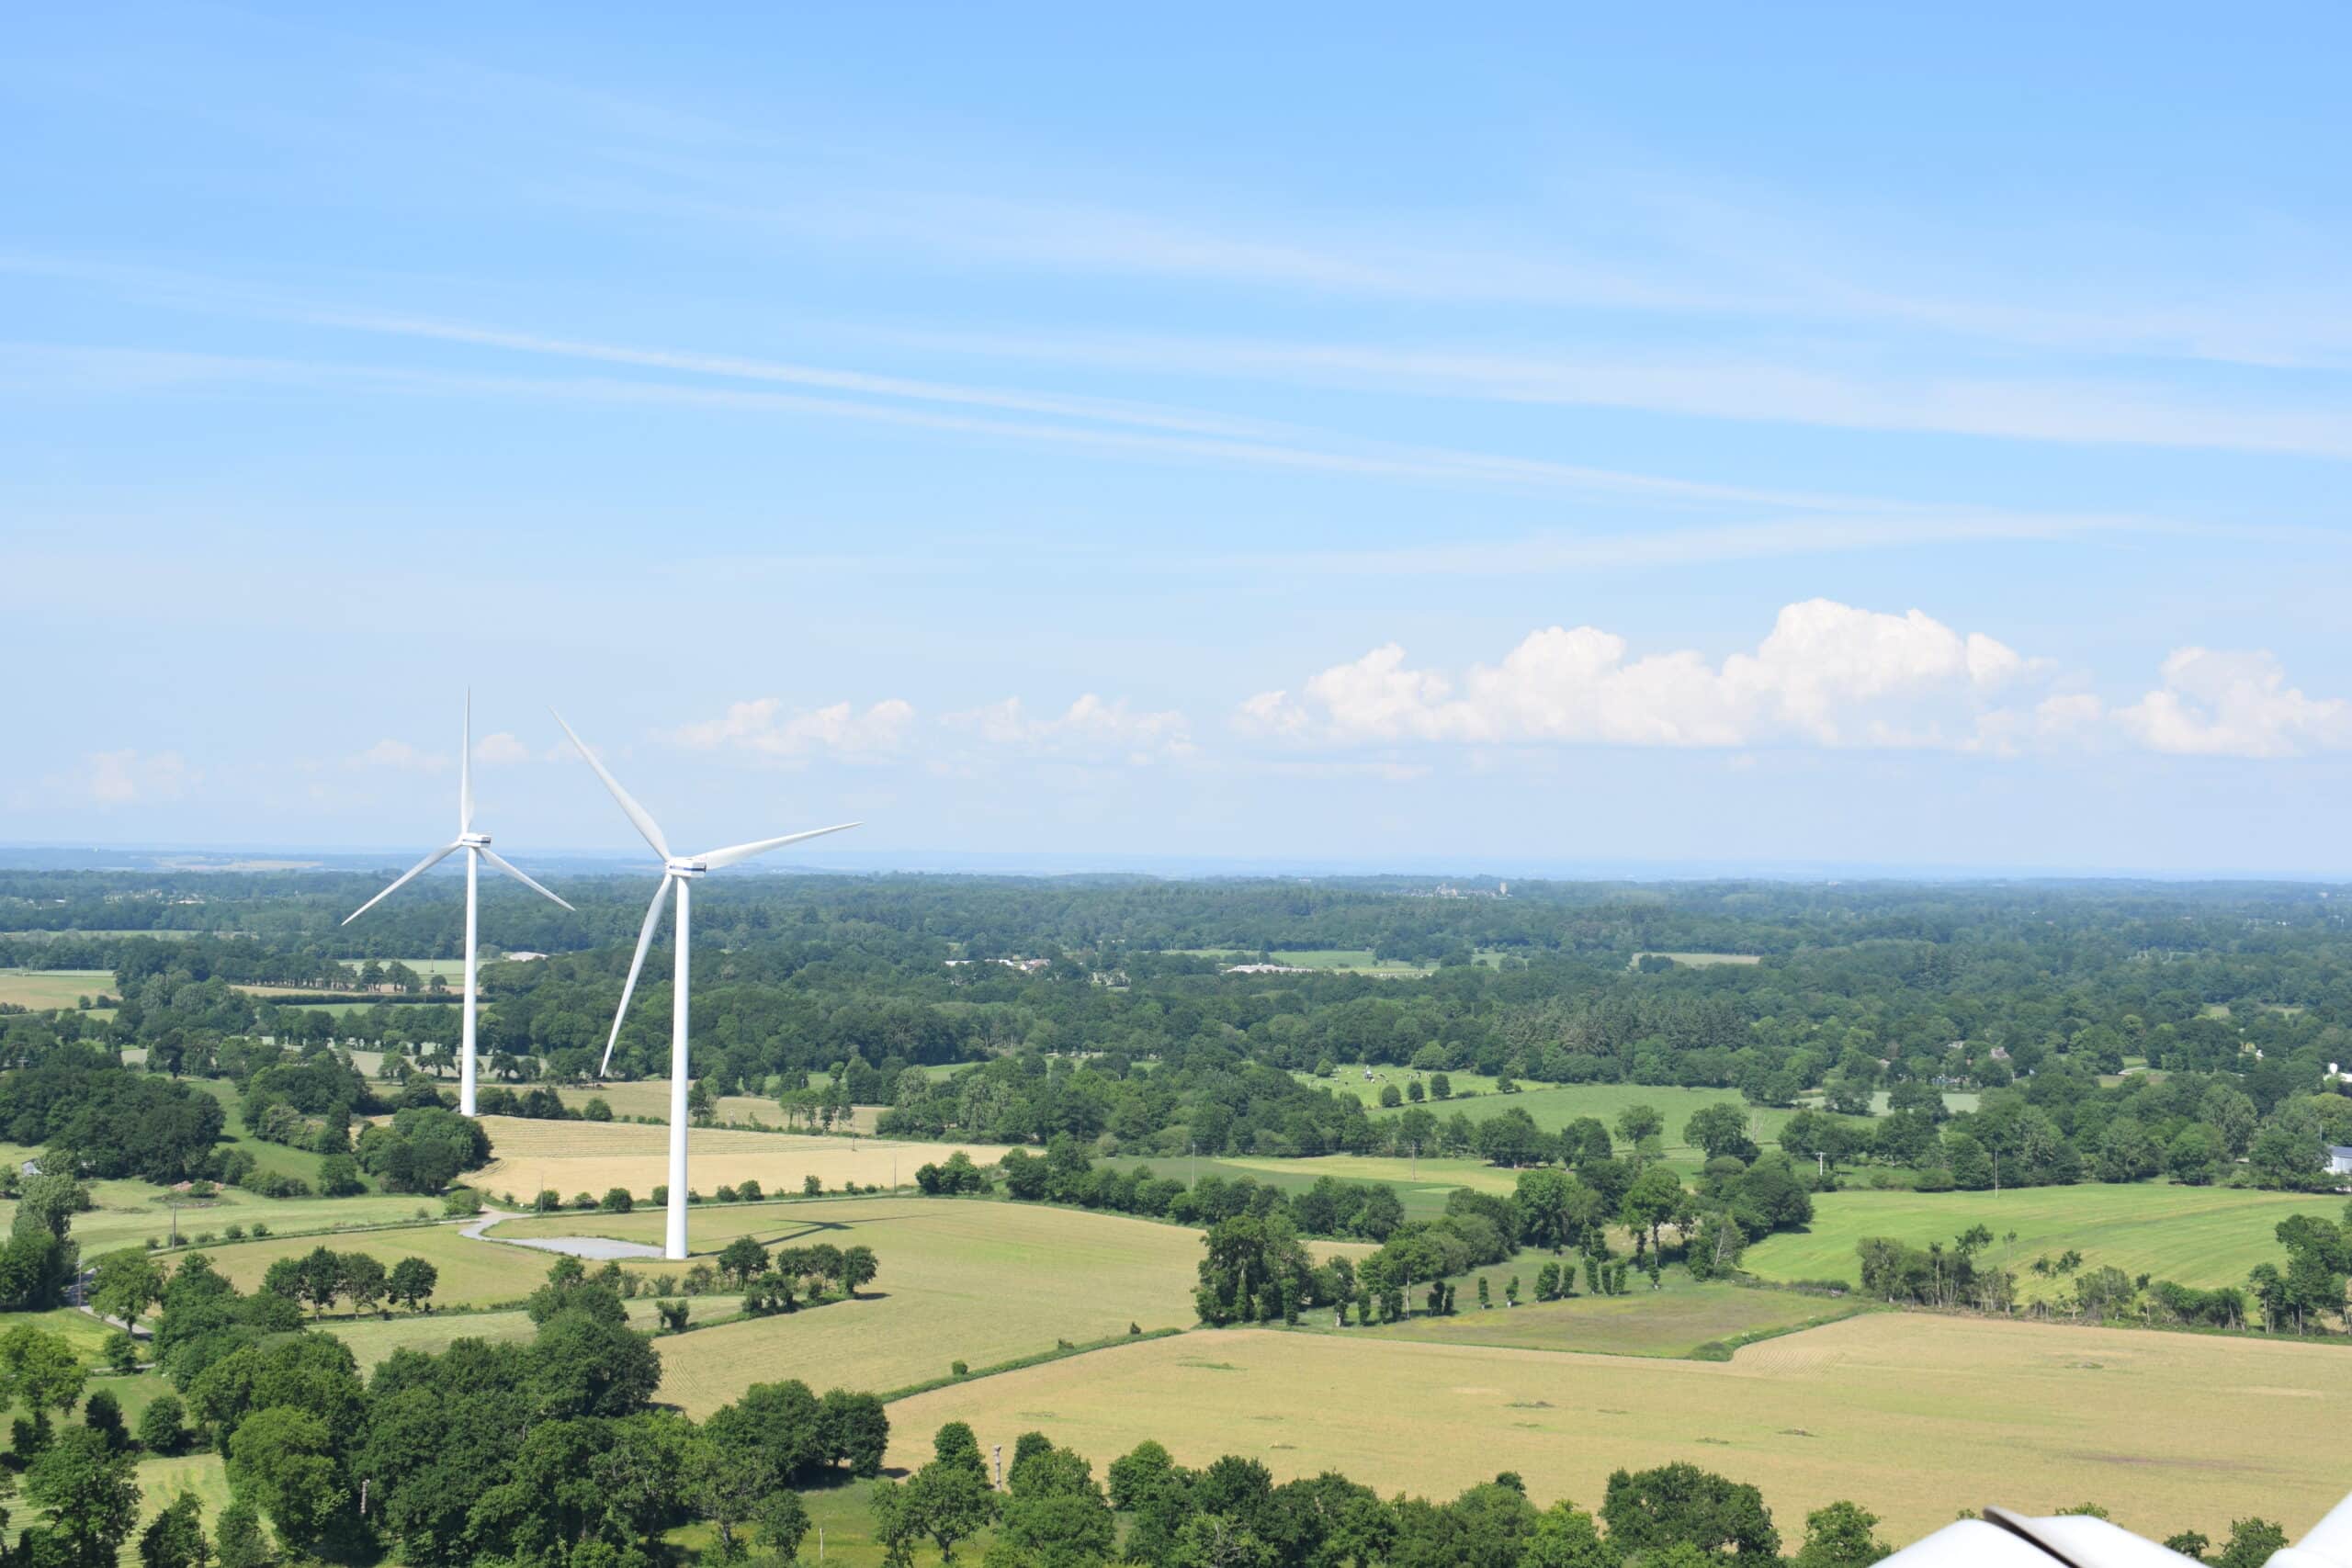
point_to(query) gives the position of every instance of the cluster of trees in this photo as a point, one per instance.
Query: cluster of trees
(546, 1452)
(1367, 1211)
(41, 1258)
(323, 1276)
(2310, 1288)
(772, 1282)
(1052, 1510)
(2061, 1126)
(97, 1119)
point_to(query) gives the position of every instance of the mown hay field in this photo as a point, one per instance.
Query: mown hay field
(977, 1281)
(472, 1271)
(590, 1156)
(2197, 1235)
(1674, 1321)
(1915, 1416)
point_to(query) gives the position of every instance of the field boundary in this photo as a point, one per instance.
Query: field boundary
(1022, 1363)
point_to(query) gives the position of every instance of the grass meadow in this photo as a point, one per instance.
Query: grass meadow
(2197, 1235)
(590, 1156)
(1674, 1321)
(41, 990)
(127, 1212)
(1915, 1416)
(473, 1273)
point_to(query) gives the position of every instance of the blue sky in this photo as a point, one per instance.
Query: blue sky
(1503, 438)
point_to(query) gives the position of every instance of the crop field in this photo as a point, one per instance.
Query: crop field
(981, 1282)
(1675, 1321)
(373, 1338)
(1916, 1416)
(473, 1273)
(2197, 1235)
(590, 1156)
(1554, 1107)
(41, 990)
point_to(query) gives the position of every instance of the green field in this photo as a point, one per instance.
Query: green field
(2197, 1235)
(41, 990)
(473, 1273)
(1673, 1321)
(1701, 960)
(1916, 1416)
(983, 1282)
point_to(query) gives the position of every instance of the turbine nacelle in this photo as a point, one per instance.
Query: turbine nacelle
(684, 867)
(473, 841)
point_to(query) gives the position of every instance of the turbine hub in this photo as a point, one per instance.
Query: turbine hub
(474, 841)
(684, 867)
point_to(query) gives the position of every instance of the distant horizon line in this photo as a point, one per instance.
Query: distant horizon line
(48, 854)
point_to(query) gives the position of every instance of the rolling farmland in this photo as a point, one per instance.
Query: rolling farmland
(1919, 1415)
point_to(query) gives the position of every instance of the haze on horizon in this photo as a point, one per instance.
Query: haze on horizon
(1043, 435)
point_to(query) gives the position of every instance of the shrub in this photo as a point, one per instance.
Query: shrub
(582, 1201)
(547, 1201)
(233, 1232)
(959, 1369)
(259, 1230)
(616, 1201)
(750, 1193)
(163, 1428)
(810, 1187)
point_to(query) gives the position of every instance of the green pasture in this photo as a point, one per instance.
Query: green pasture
(2197, 1236)
(1674, 1320)
(473, 1273)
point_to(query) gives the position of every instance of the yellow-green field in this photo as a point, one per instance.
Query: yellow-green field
(41, 990)
(1701, 960)
(1674, 1321)
(1915, 1416)
(2197, 1235)
(473, 1273)
(590, 1156)
(978, 1282)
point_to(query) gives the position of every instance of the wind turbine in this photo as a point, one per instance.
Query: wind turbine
(678, 872)
(477, 848)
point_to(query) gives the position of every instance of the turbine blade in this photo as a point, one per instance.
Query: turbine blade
(628, 986)
(465, 771)
(492, 857)
(427, 863)
(734, 852)
(636, 813)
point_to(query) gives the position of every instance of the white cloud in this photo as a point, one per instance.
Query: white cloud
(129, 777)
(400, 754)
(1088, 728)
(500, 749)
(2223, 704)
(764, 727)
(1827, 673)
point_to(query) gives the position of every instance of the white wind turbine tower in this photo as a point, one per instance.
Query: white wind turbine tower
(679, 871)
(477, 848)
